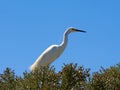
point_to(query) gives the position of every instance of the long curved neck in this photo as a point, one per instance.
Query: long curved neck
(65, 40)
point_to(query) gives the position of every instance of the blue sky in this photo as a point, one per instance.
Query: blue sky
(28, 27)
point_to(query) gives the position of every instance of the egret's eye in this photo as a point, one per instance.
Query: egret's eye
(73, 29)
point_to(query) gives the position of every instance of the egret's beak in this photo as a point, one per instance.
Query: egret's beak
(79, 30)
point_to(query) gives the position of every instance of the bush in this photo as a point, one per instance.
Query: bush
(71, 77)
(45, 78)
(107, 79)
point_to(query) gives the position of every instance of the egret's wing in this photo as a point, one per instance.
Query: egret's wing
(48, 56)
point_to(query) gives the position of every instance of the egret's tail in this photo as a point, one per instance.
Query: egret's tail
(32, 68)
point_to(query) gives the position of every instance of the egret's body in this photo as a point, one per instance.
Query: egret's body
(53, 52)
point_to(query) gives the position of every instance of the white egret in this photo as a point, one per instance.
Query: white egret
(54, 51)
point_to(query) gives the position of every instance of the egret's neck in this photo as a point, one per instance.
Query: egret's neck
(65, 40)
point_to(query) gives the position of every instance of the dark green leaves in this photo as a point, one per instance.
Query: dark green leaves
(71, 77)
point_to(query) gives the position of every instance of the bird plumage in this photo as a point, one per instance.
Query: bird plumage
(53, 52)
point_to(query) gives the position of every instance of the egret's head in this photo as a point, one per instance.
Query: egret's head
(72, 29)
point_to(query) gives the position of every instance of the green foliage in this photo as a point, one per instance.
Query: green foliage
(107, 79)
(7, 80)
(71, 77)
